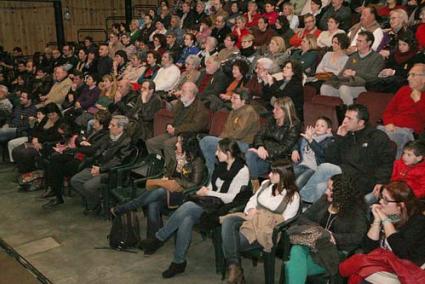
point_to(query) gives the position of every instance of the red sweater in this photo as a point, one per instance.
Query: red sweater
(414, 176)
(420, 36)
(402, 111)
(296, 40)
(244, 32)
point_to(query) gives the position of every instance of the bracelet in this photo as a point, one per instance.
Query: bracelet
(386, 220)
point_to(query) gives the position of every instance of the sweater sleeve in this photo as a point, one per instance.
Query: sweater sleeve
(241, 179)
(391, 109)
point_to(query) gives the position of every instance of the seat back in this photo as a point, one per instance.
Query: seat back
(217, 124)
(162, 118)
(321, 106)
(376, 104)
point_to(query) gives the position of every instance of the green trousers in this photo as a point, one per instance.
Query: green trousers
(300, 265)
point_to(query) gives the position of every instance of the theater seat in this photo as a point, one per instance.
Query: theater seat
(321, 106)
(160, 121)
(309, 93)
(376, 104)
(217, 122)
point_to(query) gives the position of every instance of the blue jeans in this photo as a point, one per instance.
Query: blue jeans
(317, 184)
(233, 241)
(302, 175)
(400, 136)
(208, 146)
(257, 166)
(181, 222)
(7, 133)
(154, 200)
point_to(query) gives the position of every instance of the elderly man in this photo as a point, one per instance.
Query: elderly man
(368, 23)
(134, 30)
(168, 75)
(242, 124)
(220, 30)
(359, 150)
(212, 82)
(124, 98)
(112, 152)
(59, 89)
(190, 115)
(362, 66)
(405, 113)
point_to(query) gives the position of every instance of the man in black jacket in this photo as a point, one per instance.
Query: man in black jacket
(112, 152)
(104, 63)
(361, 151)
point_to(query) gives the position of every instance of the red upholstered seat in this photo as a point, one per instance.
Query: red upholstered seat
(376, 104)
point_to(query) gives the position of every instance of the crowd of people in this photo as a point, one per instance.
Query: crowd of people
(70, 114)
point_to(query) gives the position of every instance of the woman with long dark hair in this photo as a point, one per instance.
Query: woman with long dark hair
(226, 182)
(189, 172)
(277, 199)
(290, 86)
(340, 217)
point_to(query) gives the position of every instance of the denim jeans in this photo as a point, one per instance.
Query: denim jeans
(400, 136)
(7, 133)
(233, 241)
(317, 184)
(181, 223)
(300, 265)
(257, 166)
(153, 200)
(208, 146)
(302, 175)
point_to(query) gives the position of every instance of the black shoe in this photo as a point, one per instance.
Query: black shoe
(48, 193)
(174, 269)
(150, 246)
(52, 203)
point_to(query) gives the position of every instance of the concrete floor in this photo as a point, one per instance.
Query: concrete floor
(60, 243)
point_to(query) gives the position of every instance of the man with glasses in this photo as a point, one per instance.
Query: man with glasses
(405, 113)
(113, 150)
(309, 28)
(220, 30)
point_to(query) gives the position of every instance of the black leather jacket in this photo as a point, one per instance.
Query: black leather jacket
(192, 175)
(278, 140)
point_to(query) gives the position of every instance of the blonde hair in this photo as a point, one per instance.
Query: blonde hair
(403, 16)
(111, 93)
(288, 107)
(312, 41)
(280, 43)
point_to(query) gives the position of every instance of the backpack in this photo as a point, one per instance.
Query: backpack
(125, 232)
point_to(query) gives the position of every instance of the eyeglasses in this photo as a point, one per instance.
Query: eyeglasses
(413, 75)
(386, 201)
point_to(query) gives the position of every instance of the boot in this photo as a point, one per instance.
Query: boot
(174, 269)
(150, 246)
(235, 274)
(52, 203)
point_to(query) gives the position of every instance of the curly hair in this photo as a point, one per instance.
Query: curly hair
(346, 196)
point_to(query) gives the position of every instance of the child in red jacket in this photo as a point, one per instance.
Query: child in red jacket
(411, 168)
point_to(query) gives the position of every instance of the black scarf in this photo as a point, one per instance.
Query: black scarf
(227, 176)
(248, 52)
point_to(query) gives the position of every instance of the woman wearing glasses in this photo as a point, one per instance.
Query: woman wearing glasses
(395, 237)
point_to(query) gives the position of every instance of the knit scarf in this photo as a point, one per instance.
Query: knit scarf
(227, 176)
(247, 52)
(400, 58)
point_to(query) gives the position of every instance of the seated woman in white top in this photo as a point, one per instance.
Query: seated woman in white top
(325, 38)
(278, 200)
(226, 182)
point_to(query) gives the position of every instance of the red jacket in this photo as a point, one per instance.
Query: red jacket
(420, 36)
(360, 266)
(296, 40)
(402, 111)
(414, 176)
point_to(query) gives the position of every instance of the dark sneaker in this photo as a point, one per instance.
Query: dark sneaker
(174, 269)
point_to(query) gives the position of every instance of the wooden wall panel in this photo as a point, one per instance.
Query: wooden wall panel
(32, 25)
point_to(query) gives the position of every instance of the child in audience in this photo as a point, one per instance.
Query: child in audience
(310, 150)
(411, 168)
